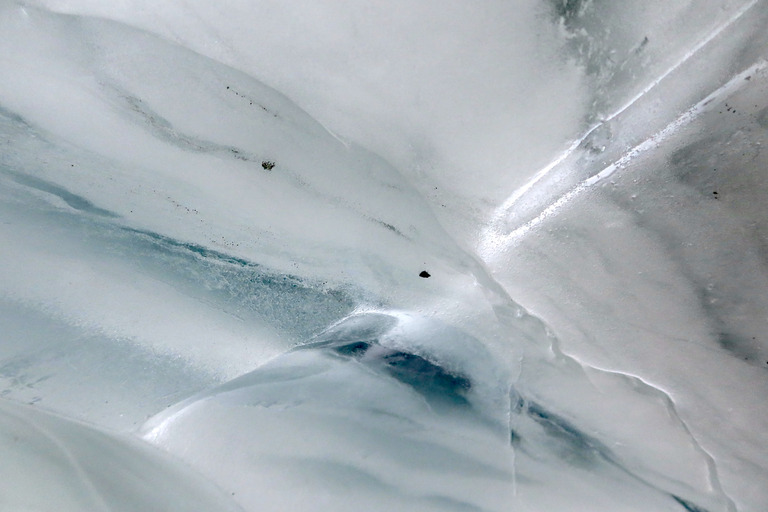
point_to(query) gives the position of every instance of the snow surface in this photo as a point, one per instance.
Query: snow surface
(214, 217)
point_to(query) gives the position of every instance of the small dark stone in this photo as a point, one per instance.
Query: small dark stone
(424, 274)
(266, 164)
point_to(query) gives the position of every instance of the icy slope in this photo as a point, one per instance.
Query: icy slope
(314, 293)
(154, 221)
(50, 463)
(390, 410)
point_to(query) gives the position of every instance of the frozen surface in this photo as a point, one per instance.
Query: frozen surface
(385, 410)
(413, 255)
(50, 463)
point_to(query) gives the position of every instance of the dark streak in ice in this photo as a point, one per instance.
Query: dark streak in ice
(164, 130)
(391, 228)
(13, 117)
(196, 249)
(687, 505)
(77, 202)
(429, 379)
(292, 304)
(355, 349)
(576, 441)
(359, 337)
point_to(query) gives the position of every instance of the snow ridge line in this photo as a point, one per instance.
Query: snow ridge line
(491, 239)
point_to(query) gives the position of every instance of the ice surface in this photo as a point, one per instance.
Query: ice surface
(50, 463)
(414, 255)
(382, 411)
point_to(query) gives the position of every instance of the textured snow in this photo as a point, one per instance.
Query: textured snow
(415, 255)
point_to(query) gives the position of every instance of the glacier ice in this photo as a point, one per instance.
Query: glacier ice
(388, 411)
(51, 463)
(417, 255)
